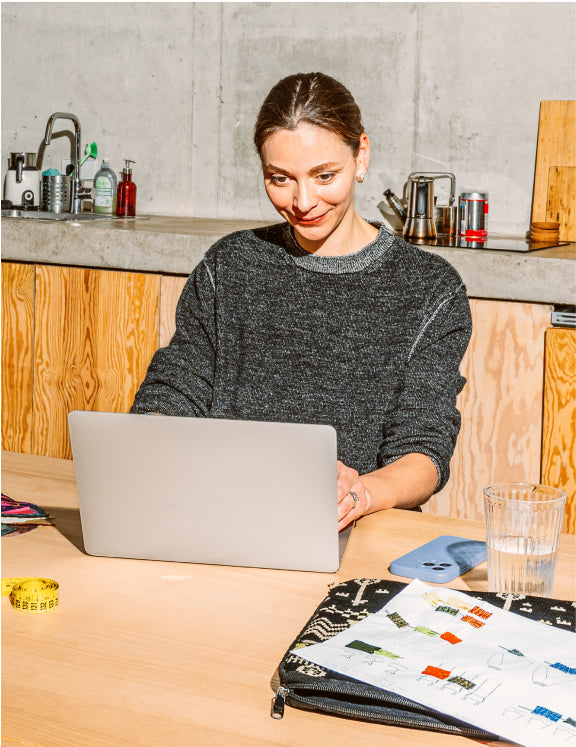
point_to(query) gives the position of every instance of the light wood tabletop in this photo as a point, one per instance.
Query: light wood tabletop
(157, 653)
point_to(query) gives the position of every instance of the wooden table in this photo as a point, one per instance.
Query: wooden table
(153, 653)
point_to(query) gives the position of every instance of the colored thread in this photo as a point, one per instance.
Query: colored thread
(473, 621)
(479, 612)
(513, 651)
(426, 631)
(432, 598)
(368, 648)
(399, 621)
(551, 715)
(460, 603)
(466, 684)
(450, 637)
(563, 668)
(449, 610)
(441, 674)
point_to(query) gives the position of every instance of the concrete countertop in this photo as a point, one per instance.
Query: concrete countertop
(175, 245)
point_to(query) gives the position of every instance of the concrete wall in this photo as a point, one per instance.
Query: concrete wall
(177, 86)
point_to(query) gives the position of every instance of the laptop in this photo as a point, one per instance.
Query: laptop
(202, 490)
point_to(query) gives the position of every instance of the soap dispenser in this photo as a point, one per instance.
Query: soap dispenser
(126, 198)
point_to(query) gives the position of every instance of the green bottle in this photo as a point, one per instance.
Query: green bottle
(105, 185)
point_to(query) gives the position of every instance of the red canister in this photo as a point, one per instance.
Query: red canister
(474, 215)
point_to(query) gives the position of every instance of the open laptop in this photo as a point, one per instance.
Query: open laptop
(200, 490)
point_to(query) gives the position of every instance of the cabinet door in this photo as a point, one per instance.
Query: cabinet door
(17, 347)
(559, 427)
(95, 332)
(170, 289)
(501, 405)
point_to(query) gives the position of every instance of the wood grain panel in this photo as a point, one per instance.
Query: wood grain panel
(501, 405)
(95, 332)
(556, 148)
(559, 426)
(170, 289)
(561, 200)
(17, 355)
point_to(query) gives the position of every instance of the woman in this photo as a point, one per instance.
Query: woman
(325, 318)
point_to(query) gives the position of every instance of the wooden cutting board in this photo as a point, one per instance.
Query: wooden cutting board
(555, 174)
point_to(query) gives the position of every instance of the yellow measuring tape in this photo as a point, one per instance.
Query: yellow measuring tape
(31, 594)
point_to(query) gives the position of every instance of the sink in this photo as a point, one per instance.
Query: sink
(44, 215)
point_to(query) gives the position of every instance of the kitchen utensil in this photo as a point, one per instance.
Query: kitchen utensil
(421, 217)
(396, 205)
(55, 193)
(555, 173)
(474, 215)
(419, 222)
(91, 151)
(445, 216)
(446, 219)
(22, 182)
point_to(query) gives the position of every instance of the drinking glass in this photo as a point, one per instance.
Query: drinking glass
(523, 524)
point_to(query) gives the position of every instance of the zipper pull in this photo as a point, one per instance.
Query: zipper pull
(279, 702)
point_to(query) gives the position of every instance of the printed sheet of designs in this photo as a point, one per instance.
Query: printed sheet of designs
(505, 673)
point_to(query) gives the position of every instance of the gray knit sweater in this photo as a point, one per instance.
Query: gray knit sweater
(369, 342)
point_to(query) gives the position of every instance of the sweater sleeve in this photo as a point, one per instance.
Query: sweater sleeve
(426, 419)
(180, 377)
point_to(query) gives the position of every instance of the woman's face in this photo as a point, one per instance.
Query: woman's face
(310, 175)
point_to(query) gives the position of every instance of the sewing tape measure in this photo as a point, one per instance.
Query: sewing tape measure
(31, 594)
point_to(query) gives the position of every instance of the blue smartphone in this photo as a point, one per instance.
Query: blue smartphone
(440, 560)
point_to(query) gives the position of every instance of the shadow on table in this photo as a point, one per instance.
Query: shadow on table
(476, 578)
(67, 522)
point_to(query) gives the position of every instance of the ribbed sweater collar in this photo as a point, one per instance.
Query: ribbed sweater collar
(345, 263)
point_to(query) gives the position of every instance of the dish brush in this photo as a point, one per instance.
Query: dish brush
(91, 151)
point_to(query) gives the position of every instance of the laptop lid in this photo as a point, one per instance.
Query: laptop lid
(200, 490)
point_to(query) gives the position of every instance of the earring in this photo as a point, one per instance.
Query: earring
(360, 178)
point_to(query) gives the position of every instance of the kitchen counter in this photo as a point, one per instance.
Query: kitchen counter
(175, 245)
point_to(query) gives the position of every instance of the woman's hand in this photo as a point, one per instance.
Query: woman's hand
(353, 498)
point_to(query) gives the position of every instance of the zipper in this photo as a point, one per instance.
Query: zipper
(284, 694)
(279, 702)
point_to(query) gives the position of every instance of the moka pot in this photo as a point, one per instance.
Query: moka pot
(420, 214)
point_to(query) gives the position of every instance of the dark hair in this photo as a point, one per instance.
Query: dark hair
(313, 98)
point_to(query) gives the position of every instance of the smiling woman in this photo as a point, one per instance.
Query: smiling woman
(310, 175)
(313, 147)
(326, 318)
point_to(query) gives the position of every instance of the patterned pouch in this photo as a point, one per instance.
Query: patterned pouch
(311, 687)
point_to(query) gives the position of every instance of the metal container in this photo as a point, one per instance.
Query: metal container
(420, 215)
(474, 215)
(55, 194)
(446, 219)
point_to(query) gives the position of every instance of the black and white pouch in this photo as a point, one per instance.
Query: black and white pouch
(305, 685)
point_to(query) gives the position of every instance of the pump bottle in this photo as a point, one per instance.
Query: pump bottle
(126, 198)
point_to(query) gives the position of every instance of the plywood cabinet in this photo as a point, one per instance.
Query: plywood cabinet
(559, 418)
(170, 290)
(17, 353)
(94, 335)
(501, 405)
(72, 338)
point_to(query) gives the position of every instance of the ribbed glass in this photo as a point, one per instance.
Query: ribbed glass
(523, 524)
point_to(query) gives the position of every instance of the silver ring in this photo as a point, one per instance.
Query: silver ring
(355, 497)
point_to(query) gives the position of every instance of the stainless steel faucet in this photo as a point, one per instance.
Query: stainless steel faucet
(75, 192)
